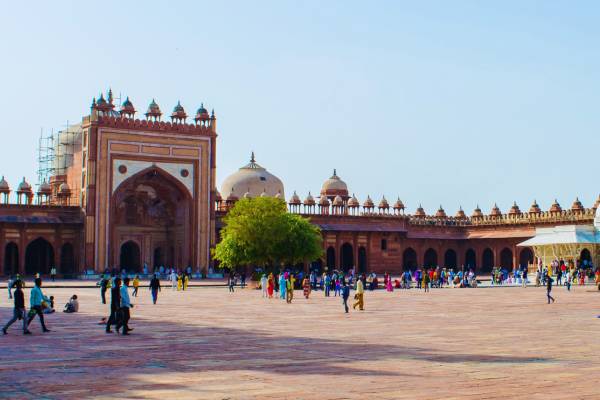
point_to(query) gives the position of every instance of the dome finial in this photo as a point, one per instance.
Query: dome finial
(334, 172)
(252, 159)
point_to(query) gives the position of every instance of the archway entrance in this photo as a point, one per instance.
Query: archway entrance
(330, 258)
(450, 259)
(11, 259)
(67, 259)
(470, 259)
(506, 259)
(487, 260)
(317, 266)
(362, 260)
(409, 259)
(156, 209)
(585, 257)
(430, 258)
(347, 260)
(39, 257)
(526, 257)
(158, 258)
(130, 256)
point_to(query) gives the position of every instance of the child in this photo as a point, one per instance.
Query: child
(48, 308)
(136, 284)
(73, 305)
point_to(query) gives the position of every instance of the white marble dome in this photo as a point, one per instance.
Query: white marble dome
(254, 180)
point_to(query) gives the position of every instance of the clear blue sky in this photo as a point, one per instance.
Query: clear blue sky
(452, 103)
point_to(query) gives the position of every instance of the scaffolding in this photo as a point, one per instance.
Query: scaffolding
(56, 154)
(46, 157)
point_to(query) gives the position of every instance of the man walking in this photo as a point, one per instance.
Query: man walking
(345, 295)
(123, 321)
(549, 281)
(19, 312)
(53, 273)
(154, 288)
(359, 296)
(115, 304)
(35, 301)
(103, 288)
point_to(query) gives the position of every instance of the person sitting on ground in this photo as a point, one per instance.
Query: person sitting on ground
(48, 307)
(73, 305)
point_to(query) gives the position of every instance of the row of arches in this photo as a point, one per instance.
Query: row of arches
(39, 257)
(347, 260)
(450, 259)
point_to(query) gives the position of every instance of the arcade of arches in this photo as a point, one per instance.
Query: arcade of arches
(368, 254)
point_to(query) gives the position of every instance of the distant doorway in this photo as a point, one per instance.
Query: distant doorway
(39, 257)
(347, 260)
(450, 259)
(11, 259)
(130, 256)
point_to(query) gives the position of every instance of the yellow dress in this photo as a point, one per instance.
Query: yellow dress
(179, 283)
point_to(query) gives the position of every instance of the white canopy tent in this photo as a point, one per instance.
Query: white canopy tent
(566, 242)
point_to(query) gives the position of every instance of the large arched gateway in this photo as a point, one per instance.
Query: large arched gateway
(151, 211)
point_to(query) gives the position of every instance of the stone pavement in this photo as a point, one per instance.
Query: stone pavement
(208, 344)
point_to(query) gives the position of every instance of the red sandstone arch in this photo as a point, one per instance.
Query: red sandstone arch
(487, 260)
(330, 258)
(430, 258)
(153, 209)
(506, 258)
(450, 259)
(67, 259)
(470, 259)
(525, 257)
(409, 259)
(39, 256)
(11, 258)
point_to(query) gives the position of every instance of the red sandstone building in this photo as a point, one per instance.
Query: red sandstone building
(133, 191)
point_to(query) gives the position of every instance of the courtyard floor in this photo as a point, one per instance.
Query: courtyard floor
(205, 343)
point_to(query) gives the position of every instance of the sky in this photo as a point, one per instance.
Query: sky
(440, 103)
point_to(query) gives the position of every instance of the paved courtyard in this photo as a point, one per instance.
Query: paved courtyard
(486, 343)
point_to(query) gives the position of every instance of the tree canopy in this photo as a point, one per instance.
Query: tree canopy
(261, 232)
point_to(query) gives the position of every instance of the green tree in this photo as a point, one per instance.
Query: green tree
(261, 232)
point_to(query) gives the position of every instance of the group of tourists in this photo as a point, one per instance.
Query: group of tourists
(39, 304)
(339, 283)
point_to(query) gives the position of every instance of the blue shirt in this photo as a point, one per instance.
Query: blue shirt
(125, 302)
(37, 297)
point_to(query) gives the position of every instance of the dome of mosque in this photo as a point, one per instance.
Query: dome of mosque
(4, 187)
(495, 211)
(254, 179)
(577, 206)
(440, 213)
(295, 199)
(420, 212)
(153, 110)
(398, 205)
(309, 201)
(127, 107)
(45, 188)
(64, 189)
(334, 186)
(24, 186)
(368, 203)
(514, 210)
(535, 208)
(353, 202)
(555, 207)
(383, 204)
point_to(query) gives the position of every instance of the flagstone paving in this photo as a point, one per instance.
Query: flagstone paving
(208, 344)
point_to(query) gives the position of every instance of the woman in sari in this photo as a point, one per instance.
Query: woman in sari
(270, 286)
(306, 287)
